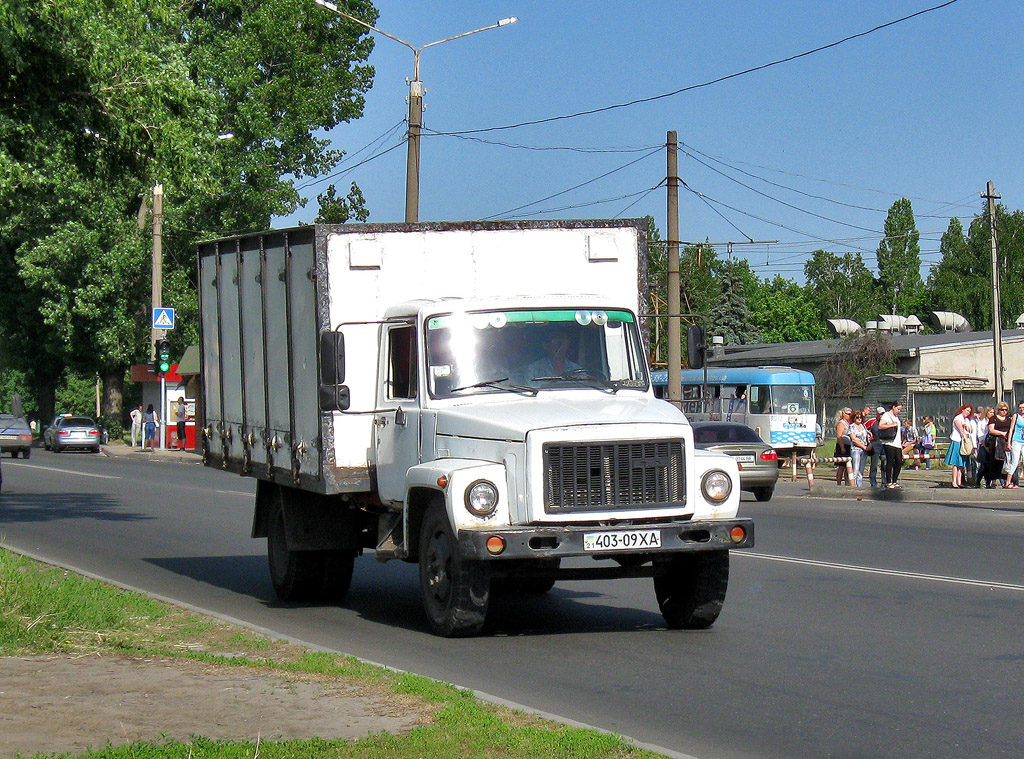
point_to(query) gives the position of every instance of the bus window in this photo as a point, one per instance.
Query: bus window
(793, 399)
(760, 399)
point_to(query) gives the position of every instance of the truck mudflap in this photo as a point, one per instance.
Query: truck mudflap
(564, 541)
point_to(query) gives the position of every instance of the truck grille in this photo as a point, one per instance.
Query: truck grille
(607, 476)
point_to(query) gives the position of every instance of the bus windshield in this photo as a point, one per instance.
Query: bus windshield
(791, 399)
(533, 350)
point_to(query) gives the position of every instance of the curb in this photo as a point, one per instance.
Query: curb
(137, 454)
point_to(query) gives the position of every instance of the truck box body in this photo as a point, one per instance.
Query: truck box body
(473, 397)
(265, 297)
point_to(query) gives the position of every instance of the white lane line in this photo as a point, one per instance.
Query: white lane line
(879, 571)
(65, 471)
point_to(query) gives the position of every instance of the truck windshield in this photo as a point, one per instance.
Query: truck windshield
(532, 350)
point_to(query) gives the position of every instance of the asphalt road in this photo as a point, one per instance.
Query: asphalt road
(853, 629)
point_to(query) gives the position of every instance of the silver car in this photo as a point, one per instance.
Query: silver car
(758, 461)
(69, 432)
(15, 436)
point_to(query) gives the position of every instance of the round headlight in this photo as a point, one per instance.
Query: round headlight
(482, 498)
(716, 485)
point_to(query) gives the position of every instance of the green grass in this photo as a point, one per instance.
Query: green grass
(45, 610)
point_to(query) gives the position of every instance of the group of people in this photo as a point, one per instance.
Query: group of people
(986, 445)
(144, 425)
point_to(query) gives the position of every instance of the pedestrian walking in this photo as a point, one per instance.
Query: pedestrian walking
(843, 418)
(961, 430)
(877, 449)
(997, 443)
(136, 429)
(179, 417)
(152, 419)
(889, 432)
(860, 444)
(1016, 447)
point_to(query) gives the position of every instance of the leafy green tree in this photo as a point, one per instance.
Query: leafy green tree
(730, 316)
(100, 102)
(840, 286)
(335, 210)
(901, 290)
(782, 312)
(961, 280)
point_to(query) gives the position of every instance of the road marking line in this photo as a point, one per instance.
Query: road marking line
(66, 471)
(878, 571)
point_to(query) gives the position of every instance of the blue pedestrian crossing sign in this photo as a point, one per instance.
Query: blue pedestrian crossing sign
(163, 318)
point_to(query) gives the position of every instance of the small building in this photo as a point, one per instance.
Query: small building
(176, 387)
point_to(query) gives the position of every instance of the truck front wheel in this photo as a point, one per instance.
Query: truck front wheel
(455, 591)
(691, 589)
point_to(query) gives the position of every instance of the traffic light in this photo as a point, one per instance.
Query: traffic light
(163, 356)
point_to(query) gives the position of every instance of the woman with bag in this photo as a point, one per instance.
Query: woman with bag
(843, 417)
(1016, 447)
(859, 446)
(998, 434)
(961, 432)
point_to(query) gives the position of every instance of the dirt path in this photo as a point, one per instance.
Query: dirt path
(67, 704)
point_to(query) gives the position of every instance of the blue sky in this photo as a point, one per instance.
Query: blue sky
(930, 109)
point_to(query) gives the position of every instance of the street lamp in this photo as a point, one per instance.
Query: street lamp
(412, 171)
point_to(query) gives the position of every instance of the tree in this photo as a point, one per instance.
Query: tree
(143, 90)
(961, 280)
(901, 290)
(859, 356)
(783, 312)
(840, 286)
(334, 210)
(730, 316)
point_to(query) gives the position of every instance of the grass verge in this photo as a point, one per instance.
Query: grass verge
(47, 610)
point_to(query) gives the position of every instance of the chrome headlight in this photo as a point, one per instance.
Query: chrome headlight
(482, 498)
(717, 485)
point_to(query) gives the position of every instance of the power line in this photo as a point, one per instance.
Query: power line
(515, 146)
(380, 138)
(710, 82)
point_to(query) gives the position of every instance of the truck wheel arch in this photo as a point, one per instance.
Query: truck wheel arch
(419, 500)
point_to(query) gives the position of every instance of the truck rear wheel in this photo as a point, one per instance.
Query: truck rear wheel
(692, 589)
(455, 591)
(306, 575)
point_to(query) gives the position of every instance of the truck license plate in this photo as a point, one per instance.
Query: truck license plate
(622, 540)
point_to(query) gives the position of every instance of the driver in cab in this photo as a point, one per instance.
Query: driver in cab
(555, 361)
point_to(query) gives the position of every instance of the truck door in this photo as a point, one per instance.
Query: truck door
(397, 421)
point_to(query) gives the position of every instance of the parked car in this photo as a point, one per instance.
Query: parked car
(15, 436)
(68, 432)
(758, 461)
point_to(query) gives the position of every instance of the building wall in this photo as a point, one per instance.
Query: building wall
(974, 360)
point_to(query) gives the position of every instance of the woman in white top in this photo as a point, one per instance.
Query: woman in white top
(962, 427)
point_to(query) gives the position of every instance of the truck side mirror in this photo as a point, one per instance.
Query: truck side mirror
(332, 358)
(334, 396)
(696, 351)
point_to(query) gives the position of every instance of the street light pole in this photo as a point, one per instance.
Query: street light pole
(412, 167)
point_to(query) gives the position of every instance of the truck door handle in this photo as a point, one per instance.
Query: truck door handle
(381, 421)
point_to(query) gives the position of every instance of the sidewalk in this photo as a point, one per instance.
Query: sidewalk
(916, 485)
(122, 451)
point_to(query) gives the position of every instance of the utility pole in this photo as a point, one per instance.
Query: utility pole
(158, 262)
(997, 301)
(412, 166)
(675, 359)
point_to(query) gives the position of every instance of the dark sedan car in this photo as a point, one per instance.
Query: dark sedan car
(15, 436)
(758, 462)
(69, 432)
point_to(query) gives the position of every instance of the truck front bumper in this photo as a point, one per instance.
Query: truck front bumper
(564, 541)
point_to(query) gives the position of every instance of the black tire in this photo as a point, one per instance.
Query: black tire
(764, 494)
(336, 575)
(14, 453)
(46, 445)
(96, 449)
(296, 575)
(26, 452)
(455, 591)
(692, 589)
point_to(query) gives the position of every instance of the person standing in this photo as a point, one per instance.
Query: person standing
(981, 416)
(889, 432)
(860, 444)
(136, 429)
(962, 428)
(997, 443)
(179, 417)
(1013, 455)
(152, 419)
(910, 438)
(843, 418)
(877, 449)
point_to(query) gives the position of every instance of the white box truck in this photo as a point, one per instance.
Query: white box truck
(474, 397)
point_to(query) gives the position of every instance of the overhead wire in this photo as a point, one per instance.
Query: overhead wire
(710, 82)
(387, 134)
(515, 146)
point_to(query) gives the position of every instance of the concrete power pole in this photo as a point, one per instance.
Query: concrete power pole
(412, 167)
(997, 301)
(675, 359)
(158, 262)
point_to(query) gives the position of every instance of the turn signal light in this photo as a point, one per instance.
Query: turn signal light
(737, 534)
(769, 455)
(495, 545)
(442, 482)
